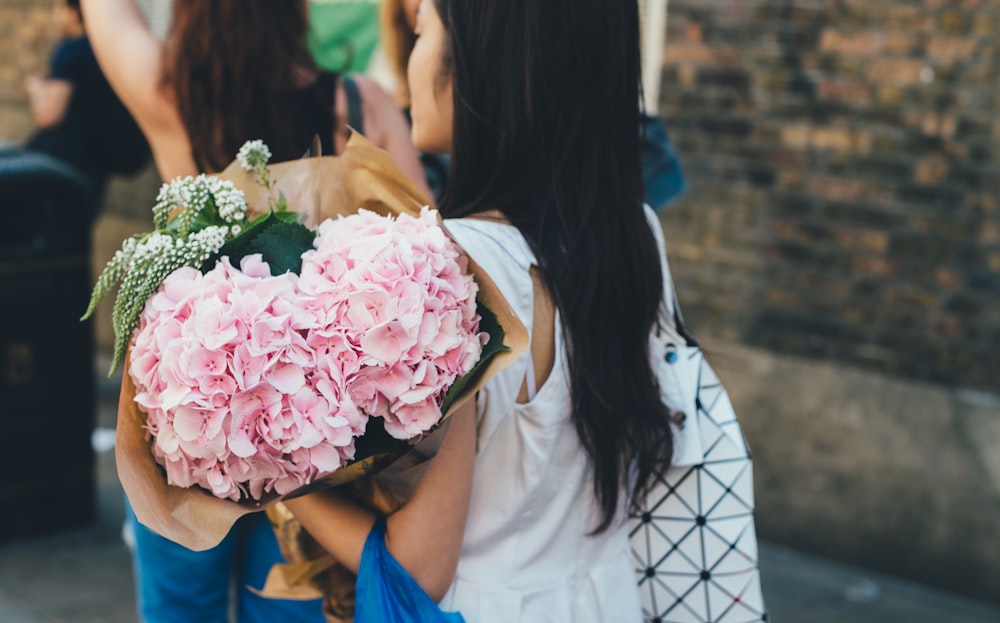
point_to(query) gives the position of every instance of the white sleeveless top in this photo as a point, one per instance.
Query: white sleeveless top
(526, 554)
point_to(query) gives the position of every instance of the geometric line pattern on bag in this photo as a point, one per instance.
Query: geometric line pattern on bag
(694, 543)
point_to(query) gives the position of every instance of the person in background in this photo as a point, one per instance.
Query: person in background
(80, 121)
(521, 515)
(230, 71)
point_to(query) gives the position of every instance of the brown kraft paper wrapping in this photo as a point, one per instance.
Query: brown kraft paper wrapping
(319, 188)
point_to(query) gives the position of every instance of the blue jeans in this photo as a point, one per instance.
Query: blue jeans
(177, 585)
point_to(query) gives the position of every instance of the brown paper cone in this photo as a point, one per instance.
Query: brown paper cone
(308, 571)
(362, 177)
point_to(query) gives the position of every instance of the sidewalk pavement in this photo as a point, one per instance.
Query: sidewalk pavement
(85, 576)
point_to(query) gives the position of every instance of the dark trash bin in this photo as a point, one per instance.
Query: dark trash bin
(48, 206)
(47, 411)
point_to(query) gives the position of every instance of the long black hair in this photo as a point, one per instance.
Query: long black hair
(546, 129)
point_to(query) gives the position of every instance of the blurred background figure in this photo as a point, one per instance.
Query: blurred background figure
(80, 121)
(198, 96)
(227, 72)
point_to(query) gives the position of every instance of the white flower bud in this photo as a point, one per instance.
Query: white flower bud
(253, 154)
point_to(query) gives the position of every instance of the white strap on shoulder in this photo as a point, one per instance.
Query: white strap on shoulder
(670, 314)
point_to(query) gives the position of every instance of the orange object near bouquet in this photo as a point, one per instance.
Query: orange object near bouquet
(265, 383)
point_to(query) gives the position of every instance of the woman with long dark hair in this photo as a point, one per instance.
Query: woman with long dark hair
(230, 71)
(521, 515)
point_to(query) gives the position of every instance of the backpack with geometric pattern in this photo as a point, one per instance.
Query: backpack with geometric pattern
(694, 541)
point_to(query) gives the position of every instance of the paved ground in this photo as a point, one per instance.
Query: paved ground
(84, 576)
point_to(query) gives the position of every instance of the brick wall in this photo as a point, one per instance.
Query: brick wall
(26, 36)
(843, 165)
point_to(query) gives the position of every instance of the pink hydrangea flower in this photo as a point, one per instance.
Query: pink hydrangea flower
(254, 383)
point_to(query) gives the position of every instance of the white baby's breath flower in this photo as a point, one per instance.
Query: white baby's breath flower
(208, 240)
(193, 217)
(253, 155)
(230, 203)
(188, 197)
(155, 245)
(172, 195)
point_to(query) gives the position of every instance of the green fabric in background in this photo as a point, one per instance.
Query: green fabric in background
(343, 34)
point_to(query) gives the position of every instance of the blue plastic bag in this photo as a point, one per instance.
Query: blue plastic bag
(386, 593)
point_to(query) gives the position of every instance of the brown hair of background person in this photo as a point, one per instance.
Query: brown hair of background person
(230, 71)
(229, 86)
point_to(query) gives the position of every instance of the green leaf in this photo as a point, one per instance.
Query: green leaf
(242, 245)
(282, 246)
(287, 217)
(488, 323)
(111, 275)
(278, 236)
(281, 205)
(204, 219)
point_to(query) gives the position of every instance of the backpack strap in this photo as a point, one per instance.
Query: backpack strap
(671, 320)
(355, 117)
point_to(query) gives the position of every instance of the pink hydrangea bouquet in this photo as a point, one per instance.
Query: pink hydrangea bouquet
(254, 382)
(264, 353)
